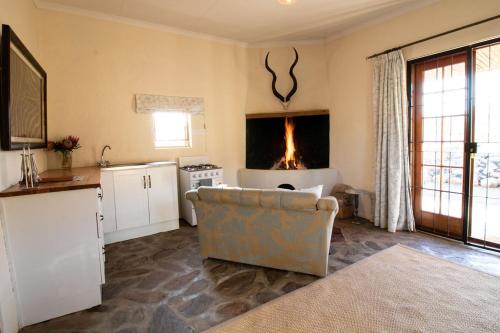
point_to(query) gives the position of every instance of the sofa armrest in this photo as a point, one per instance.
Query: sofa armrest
(192, 195)
(328, 203)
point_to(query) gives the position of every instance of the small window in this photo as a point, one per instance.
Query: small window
(172, 129)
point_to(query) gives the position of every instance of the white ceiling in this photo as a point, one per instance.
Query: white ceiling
(247, 21)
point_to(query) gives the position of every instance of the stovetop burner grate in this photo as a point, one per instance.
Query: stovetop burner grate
(200, 167)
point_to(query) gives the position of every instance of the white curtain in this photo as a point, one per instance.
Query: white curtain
(393, 209)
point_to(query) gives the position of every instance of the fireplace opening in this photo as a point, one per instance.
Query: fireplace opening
(287, 187)
(288, 142)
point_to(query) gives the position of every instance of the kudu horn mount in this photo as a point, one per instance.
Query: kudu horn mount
(285, 101)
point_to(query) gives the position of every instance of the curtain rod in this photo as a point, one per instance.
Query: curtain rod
(434, 36)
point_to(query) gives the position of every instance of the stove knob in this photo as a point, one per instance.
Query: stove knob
(217, 173)
(206, 174)
(211, 174)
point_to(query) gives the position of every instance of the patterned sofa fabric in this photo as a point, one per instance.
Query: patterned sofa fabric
(273, 228)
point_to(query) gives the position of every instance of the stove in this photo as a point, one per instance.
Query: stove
(200, 167)
(195, 172)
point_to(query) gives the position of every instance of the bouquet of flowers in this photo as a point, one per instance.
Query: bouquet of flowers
(65, 146)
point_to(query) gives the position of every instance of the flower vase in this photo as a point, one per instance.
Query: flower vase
(67, 160)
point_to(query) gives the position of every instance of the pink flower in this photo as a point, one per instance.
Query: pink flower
(68, 144)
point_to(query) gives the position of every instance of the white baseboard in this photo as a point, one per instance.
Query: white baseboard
(121, 235)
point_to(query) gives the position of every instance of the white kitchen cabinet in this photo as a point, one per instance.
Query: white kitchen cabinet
(139, 200)
(162, 194)
(131, 198)
(54, 241)
(108, 201)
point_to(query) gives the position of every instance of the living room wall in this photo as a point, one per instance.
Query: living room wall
(353, 148)
(311, 73)
(96, 66)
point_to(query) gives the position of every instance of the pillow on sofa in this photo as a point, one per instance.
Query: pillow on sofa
(316, 190)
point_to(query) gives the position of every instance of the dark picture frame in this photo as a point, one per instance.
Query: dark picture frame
(27, 116)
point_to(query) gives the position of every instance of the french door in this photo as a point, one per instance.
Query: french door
(455, 143)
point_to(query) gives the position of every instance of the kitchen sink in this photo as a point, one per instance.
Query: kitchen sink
(125, 166)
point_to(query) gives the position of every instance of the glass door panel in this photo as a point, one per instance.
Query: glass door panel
(439, 108)
(484, 225)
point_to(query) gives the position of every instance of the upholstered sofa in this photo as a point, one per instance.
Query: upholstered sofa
(288, 230)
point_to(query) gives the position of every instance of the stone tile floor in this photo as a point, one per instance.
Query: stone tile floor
(159, 283)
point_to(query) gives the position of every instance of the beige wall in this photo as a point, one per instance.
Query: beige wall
(95, 67)
(311, 73)
(353, 150)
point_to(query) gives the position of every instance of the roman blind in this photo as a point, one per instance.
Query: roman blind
(157, 103)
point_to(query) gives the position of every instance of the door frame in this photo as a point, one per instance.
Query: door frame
(468, 128)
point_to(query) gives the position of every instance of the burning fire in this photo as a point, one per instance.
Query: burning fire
(290, 161)
(290, 145)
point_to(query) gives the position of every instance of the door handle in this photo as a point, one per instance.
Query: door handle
(149, 177)
(144, 181)
(472, 148)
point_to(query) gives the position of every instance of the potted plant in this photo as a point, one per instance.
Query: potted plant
(65, 146)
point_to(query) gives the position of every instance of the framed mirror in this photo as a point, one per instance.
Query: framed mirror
(23, 95)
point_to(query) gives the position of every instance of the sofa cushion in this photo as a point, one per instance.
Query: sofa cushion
(191, 195)
(250, 197)
(270, 198)
(298, 200)
(231, 195)
(328, 203)
(209, 194)
(317, 190)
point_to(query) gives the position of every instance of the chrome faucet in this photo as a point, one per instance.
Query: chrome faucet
(103, 162)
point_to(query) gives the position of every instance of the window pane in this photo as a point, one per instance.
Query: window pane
(456, 180)
(455, 205)
(430, 176)
(432, 104)
(432, 129)
(454, 76)
(429, 158)
(454, 159)
(172, 129)
(432, 80)
(430, 201)
(454, 102)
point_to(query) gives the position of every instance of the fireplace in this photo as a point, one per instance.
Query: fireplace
(288, 141)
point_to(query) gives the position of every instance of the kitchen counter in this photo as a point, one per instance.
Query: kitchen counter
(85, 177)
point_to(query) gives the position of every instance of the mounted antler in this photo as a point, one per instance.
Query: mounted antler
(284, 100)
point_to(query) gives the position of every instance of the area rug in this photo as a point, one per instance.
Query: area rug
(395, 290)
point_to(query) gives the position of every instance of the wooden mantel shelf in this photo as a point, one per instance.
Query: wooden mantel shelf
(287, 114)
(86, 177)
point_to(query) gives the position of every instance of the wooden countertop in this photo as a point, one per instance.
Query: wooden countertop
(87, 177)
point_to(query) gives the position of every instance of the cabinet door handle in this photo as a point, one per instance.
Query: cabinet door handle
(149, 177)
(144, 181)
(97, 224)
